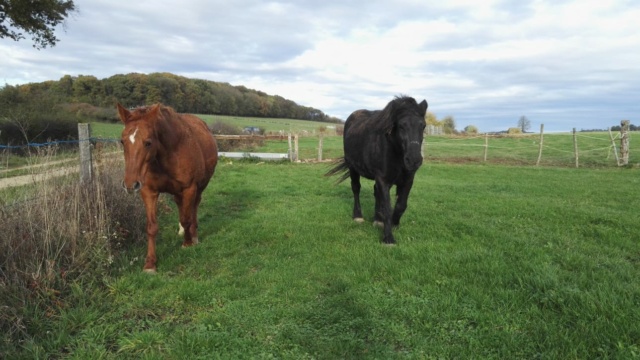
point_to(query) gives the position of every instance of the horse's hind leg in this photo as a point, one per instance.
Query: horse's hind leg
(187, 208)
(178, 201)
(194, 220)
(378, 220)
(383, 210)
(355, 188)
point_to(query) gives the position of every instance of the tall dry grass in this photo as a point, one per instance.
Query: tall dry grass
(58, 233)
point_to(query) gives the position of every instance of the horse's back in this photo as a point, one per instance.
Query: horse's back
(200, 148)
(361, 143)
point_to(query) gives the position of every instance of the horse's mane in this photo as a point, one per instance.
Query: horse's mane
(167, 111)
(384, 120)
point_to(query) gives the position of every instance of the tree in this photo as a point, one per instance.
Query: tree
(38, 18)
(449, 124)
(431, 119)
(471, 129)
(524, 124)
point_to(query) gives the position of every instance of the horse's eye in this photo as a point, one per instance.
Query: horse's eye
(121, 141)
(147, 144)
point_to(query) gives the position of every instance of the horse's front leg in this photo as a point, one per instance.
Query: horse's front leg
(188, 216)
(383, 208)
(150, 199)
(402, 191)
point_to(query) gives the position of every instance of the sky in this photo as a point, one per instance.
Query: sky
(562, 63)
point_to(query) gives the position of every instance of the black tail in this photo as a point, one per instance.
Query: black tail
(339, 167)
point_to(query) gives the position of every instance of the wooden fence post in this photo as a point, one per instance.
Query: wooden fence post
(624, 141)
(86, 163)
(320, 147)
(540, 144)
(486, 146)
(615, 150)
(575, 146)
(290, 149)
(295, 147)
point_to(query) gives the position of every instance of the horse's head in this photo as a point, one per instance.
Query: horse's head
(408, 131)
(140, 143)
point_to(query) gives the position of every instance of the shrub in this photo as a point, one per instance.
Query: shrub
(221, 128)
(471, 129)
(37, 127)
(61, 234)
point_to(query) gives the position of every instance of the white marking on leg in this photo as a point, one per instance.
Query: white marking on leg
(358, 220)
(379, 224)
(132, 137)
(180, 229)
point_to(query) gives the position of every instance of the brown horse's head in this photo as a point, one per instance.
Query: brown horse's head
(140, 143)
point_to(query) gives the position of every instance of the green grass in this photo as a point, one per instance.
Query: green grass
(594, 149)
(491, 262)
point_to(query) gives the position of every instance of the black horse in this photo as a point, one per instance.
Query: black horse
(385, 146)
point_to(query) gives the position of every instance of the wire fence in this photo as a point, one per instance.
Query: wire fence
(93, 140)
(557, 149)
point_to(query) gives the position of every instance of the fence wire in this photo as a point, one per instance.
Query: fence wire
(555, 150)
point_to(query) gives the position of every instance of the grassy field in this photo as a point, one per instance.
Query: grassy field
(492, 261)
(106, 130)
(270, 125)
(594, 149)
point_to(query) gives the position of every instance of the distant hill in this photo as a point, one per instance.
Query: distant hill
(183, 94)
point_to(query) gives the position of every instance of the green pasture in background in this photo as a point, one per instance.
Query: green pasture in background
(594, 148)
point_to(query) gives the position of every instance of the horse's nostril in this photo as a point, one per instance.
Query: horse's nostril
(136, 187)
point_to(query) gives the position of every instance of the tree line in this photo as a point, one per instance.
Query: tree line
(183, 94)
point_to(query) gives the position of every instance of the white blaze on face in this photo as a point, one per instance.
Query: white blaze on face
(132, 137)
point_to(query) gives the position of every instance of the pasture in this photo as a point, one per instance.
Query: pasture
(594, 148)
(492, 262)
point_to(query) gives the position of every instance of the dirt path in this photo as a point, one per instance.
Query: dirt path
(33, 178)
(7, 182)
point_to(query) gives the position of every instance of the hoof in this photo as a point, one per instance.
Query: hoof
(193, 242)
(378, 224)
(389, 244)
(358, 220)
(149, 271)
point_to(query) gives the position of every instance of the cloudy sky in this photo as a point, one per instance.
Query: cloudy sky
(562, 63)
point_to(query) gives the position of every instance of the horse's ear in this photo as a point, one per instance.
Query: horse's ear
(155, 110)
(123, 113)
(423, 107)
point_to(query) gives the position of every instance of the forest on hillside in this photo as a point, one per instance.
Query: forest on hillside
(183, 94)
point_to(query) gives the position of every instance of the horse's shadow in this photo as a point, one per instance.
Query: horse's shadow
(218, 209)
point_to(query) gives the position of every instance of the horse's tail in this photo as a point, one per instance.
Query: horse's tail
(339, 167)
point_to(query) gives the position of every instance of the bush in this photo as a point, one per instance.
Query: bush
(471, 130)
(60, 235)
(221, 128)
(19, 129)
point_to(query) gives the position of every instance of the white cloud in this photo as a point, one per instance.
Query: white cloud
(486, 63)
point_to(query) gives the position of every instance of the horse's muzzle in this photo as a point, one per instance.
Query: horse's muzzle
(135, 188)
(412, 164)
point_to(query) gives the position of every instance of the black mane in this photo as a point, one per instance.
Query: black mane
(384, 120)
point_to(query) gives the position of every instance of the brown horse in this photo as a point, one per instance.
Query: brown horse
(167, 152)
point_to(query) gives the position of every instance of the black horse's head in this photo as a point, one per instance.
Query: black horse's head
(408, 130)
